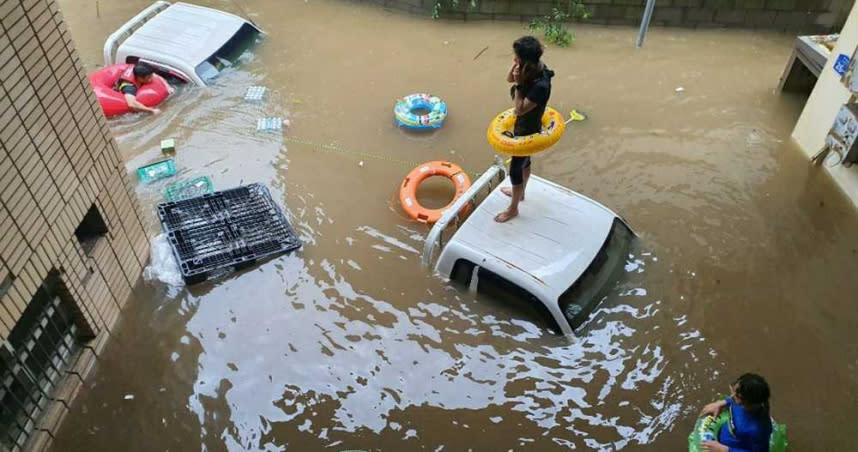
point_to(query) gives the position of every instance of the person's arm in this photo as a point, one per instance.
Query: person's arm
(522, 104)
(758, 444)
(714, 408)
(513, 73)
(133, 104)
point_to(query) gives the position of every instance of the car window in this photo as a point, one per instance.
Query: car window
(579, 300)
(229, 54)
(506, 293)
(172, 75)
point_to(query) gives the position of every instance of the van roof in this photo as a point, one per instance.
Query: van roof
(551, 243)
(183, 32)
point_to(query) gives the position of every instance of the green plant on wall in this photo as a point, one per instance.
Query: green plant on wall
(553, 26)
(450, 5)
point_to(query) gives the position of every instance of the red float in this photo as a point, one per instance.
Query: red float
(113, 102)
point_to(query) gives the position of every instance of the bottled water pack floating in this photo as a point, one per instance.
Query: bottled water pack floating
(269, 124)
(255, 93)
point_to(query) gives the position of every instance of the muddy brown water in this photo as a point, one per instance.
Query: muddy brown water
(746, 260)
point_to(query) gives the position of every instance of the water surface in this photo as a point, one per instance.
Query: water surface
(745, 262)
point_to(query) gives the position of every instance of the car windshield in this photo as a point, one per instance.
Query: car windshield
(584, 295)
(229, 54)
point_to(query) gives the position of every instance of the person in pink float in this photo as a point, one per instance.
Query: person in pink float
(135, 78)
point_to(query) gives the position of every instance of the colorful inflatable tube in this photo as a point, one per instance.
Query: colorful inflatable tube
(707, 428)
(502, 140)
(405, 108)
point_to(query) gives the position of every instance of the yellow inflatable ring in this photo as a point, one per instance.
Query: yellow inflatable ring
(500, 131)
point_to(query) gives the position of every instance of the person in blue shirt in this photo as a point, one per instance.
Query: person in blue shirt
(750, 424)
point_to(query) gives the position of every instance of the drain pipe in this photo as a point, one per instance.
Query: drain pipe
(647, 16)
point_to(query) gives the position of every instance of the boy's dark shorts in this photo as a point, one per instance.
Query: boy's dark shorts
(516, 169)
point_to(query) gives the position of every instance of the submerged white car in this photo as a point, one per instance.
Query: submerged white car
(190, 43)
(560, 255)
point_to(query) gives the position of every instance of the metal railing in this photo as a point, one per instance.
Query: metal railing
(33, 361)
(122, 33)
(485, 183)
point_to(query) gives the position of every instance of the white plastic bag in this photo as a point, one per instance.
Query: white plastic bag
(162, 265)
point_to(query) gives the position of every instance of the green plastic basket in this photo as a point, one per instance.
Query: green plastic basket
(187, 189)
(777, 441)
(156, 171)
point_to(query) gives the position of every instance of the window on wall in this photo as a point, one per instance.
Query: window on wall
(33, 359)
(91, 229)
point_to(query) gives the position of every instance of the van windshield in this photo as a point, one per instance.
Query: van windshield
(229, 54)
(584, 295)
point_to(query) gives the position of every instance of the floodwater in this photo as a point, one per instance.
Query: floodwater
(745, 261)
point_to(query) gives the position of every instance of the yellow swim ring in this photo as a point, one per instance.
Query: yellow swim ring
(501, 128)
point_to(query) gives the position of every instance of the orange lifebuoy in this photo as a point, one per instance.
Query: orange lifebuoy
(408, 190)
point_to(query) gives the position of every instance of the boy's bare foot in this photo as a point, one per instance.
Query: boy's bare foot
(508, 191)
(506, 215)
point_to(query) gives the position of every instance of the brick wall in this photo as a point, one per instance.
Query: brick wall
(803, 16)
(58, 161)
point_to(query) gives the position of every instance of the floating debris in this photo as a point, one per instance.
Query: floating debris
(269, 124)
(129, 396)
(168, 145)
(187, 189)
(225, 231)
(679, 89)
(156, 171)
(255, 93)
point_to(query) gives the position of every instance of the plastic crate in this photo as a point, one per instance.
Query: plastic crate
(156, 171)
(225, 231)
(187, 189)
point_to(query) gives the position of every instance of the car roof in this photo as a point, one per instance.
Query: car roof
(552, 242)
(183, 32)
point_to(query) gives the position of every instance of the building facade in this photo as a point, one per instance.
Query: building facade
(824, 104)
(72, 243)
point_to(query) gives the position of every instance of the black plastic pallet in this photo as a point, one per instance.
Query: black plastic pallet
(225, 231)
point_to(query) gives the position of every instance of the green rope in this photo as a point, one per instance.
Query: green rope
(335, 149)
(332, 148)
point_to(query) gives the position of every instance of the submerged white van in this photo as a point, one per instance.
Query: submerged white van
(190, 43)
(561, 254)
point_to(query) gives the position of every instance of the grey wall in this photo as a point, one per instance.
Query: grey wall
(806, 16)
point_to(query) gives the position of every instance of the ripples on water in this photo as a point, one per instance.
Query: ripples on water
(330, 360)
(299, 348)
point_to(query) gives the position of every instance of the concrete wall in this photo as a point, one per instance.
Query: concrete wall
(822, 106)
(816, 16)
(57, 160)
